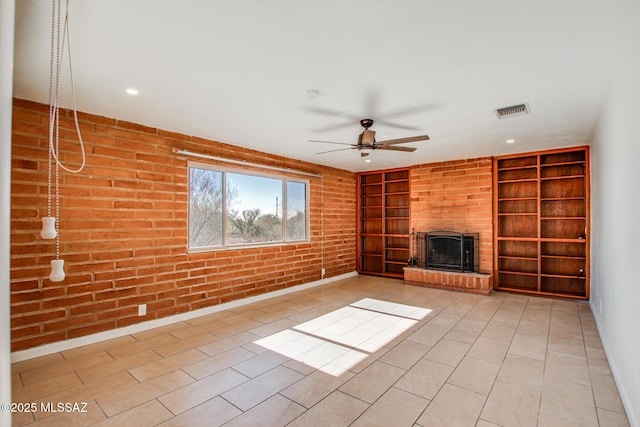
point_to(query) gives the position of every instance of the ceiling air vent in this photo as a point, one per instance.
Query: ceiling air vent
(514, 110)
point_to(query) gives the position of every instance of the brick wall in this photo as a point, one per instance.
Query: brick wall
(123, 230)
(455, 195)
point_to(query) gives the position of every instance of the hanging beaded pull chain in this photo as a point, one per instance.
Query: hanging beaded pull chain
(51, 225)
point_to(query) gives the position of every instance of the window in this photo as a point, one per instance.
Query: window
(296, 210)
(231, 208)
(253, 209)
(205, 208)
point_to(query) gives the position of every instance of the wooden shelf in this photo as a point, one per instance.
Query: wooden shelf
(555, 218)
(517, 180)
(512, 168)
(518, 198)
(564, 257)
(383, 234)
(541, 220)
(518, 257)
(520, 273)
(403, 263)
(518, 239)
(563, 276)
(567, 163)
(562, 177)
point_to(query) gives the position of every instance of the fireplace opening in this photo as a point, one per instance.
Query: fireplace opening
(448, 251)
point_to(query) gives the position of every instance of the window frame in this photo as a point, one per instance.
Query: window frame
(255, 173)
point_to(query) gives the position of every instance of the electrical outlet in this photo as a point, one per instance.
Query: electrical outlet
(142, 310)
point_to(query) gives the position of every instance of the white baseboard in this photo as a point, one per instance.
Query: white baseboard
(55, 347)
(626, 402)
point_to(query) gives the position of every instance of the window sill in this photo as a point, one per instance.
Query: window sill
(246, 246)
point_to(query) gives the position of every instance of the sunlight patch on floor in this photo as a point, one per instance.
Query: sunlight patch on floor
(339, 340)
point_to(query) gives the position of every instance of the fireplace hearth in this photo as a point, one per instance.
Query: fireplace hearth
(445, 250)
(447, 260)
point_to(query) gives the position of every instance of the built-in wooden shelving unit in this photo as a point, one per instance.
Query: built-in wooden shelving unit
(541, 220)
(383, 222)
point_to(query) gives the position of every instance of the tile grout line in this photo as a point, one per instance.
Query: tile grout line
(507, 352)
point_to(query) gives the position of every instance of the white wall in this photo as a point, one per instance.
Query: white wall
(615, 257)
(7, 14)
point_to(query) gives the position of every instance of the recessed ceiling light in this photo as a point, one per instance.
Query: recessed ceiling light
(132, 91)
(367, 161)
(510, 141)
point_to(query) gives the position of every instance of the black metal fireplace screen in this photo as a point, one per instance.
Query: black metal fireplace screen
(447, 251)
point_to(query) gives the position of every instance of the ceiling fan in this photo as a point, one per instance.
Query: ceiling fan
(367, 141)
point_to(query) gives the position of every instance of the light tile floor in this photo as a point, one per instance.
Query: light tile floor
(311, 359)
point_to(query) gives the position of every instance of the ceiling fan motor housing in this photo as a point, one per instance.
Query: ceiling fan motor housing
(367, 138)
(367, 141)
(366, 123)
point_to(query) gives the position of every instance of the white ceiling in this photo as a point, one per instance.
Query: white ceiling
(239, 71)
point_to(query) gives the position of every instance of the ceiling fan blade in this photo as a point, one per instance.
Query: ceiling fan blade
(329, 142)
(394, 148)
(409, 111)
(397, 125)
(334, 126)
(350, 118)
(339, 149)
(404, 140)
(325, 111)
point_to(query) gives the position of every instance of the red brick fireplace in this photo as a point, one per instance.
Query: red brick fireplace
(455, 195)
(476, 283)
